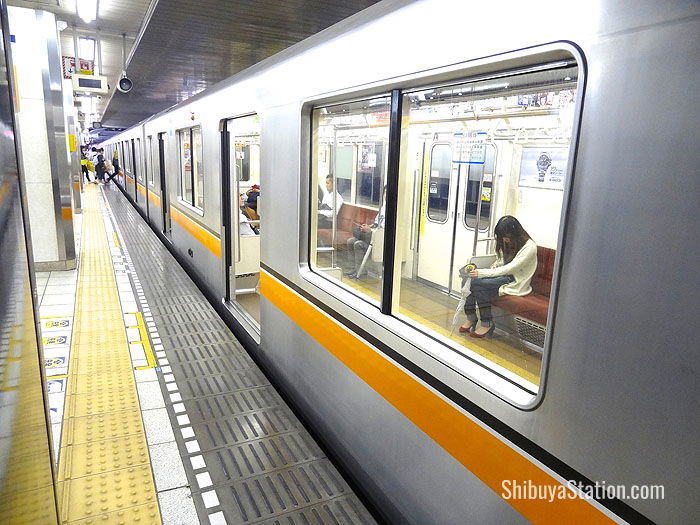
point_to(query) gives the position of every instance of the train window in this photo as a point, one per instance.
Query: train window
(439, 182)
(502, 147)
(248, 162)
(370, 172)
(348, 171)
(191, 171)
(478, 190)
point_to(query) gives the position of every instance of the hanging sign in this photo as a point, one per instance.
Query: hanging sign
(87, 67)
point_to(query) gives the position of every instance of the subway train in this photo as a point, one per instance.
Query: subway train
(330, 198)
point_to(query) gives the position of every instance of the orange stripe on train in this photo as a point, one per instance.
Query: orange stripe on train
(482, 453)
(208, 239)
(154, 198)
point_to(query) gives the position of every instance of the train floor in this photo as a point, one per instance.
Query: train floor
(158, 413)
(435, 309)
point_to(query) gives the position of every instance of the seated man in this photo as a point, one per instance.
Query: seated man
(329, 206)
(361, 239)
(252, 198)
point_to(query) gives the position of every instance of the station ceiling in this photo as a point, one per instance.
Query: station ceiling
(185, 47)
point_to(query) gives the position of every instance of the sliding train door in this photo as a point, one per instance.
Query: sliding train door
(241, 189)
(458, 188)
(164, 197)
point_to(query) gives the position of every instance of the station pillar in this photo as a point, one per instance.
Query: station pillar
(43, 137)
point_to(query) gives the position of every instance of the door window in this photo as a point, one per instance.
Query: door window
(439, 182)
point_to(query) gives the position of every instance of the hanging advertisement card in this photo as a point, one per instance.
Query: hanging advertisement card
(543, 167)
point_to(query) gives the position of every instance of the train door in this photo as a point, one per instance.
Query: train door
(474, 207)
(241, 191)
(133, 160)
(456, 208)
(147, 173)
(437, 225)
(164, 199)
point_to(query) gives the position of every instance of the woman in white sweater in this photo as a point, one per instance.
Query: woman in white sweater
(511, 274)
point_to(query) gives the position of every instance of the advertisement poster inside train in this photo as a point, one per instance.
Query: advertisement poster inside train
(543, 167)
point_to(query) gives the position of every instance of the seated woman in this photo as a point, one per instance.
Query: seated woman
(511, 274)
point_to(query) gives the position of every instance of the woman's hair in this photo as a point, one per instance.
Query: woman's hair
(509, 226)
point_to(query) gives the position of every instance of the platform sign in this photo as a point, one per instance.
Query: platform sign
(56, 362)
(60, 340)
(55, 385)
(55, 324)
(87, 67)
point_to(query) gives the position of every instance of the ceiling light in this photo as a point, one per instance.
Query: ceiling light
(87, 10)
(86, 48)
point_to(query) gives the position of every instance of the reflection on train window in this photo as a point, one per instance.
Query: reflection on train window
(191, 171)
(439, 182)
(502, 147)
(349, 165)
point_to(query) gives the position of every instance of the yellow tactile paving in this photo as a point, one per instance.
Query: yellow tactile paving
(103, 426)
(108, 492)
(140, 514)
(104, 471)
(98, 457)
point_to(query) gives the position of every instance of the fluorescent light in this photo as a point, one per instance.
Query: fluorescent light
(87, 10)
(86, 48)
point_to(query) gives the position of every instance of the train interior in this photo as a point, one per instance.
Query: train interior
(243, 274)
(470, 154)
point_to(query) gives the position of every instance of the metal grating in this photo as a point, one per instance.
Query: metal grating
(530, 332)
(263, 464)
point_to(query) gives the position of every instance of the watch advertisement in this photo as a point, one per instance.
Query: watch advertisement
(543, 167)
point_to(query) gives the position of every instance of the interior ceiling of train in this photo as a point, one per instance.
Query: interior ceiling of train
(177, 48)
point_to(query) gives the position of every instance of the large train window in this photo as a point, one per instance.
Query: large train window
(348, 170)
(499, 149)
(191, 170)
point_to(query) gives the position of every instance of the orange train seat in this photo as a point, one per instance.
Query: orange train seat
(348, 218)
(535, 305)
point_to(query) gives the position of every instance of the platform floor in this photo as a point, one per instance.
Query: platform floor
(191, 422)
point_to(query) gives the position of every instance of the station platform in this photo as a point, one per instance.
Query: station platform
(159, 415)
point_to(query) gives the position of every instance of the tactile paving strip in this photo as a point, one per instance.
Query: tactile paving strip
(104, 470)
(250, 448)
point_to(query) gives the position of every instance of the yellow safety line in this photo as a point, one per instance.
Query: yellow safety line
(116, 240)
(145, 341)
(104, 467)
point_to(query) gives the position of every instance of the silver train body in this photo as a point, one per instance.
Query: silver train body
(619, 396)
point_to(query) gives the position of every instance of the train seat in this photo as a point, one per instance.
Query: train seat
(348, 218)
(534, 306)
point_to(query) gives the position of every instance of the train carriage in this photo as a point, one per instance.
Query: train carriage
(432, 120)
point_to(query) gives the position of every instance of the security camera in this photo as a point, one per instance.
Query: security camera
(125, 85)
